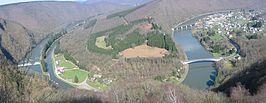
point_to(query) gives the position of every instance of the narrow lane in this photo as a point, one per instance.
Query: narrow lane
(50, 66)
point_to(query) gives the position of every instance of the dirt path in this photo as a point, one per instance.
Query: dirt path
(84, 85)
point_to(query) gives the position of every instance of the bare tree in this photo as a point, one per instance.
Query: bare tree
(115, 94)
(172, 94)
(17, 85)
(239, 94)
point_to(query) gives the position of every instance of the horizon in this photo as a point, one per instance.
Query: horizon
(6, 2)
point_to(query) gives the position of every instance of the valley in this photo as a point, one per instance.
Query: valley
(148, 52)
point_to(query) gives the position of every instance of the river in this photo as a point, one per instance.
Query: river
(50, 66)
(36, 52)
(34, 56)
(199, 74)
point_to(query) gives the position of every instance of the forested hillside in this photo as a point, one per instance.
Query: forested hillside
(169, 13)
(43, 18)
(23, 25)
(15, 40)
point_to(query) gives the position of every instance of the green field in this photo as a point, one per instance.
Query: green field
(228, 65)
(70, 75)
(100, 42)
(216, 37)
(98, 85)
(71, 70)
(64, 63)
(216, 55)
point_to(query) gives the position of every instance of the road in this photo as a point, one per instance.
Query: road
(50, 66)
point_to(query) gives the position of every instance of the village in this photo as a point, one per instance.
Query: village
(218, 32)
(231, 24)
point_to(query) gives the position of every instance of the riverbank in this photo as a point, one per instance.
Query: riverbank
(37, 53)
(193, 20)
(185, 66)
(193, 50)
(82, 85)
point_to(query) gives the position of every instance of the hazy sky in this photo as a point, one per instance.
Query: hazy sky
(126, 2)
(2, 2)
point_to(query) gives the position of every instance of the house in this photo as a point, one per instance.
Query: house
(97, 76)
(230, 36)
(60, 70)
(57, 62)
(238, 57)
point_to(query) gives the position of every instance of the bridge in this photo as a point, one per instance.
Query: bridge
(202, 60)
(184, 27)
(28, 64)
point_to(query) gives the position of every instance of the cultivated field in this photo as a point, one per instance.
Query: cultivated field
(144, 51)
(145, 27)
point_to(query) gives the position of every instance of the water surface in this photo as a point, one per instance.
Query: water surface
(201, 73)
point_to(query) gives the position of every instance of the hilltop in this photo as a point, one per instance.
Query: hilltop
(43, 18)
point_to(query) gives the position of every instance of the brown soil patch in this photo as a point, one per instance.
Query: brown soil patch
(145, 27)
(144, 51)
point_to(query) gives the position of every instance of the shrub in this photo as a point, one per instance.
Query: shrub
(57, 49)
(43, 65)
(76, 80)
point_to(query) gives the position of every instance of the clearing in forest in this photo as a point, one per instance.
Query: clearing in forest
(145, 26)
(144, 51)
(100, 43)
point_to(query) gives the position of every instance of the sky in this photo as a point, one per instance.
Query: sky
(3, 2)
(125, 2)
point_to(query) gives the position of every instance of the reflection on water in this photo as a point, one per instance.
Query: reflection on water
(201, 74)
